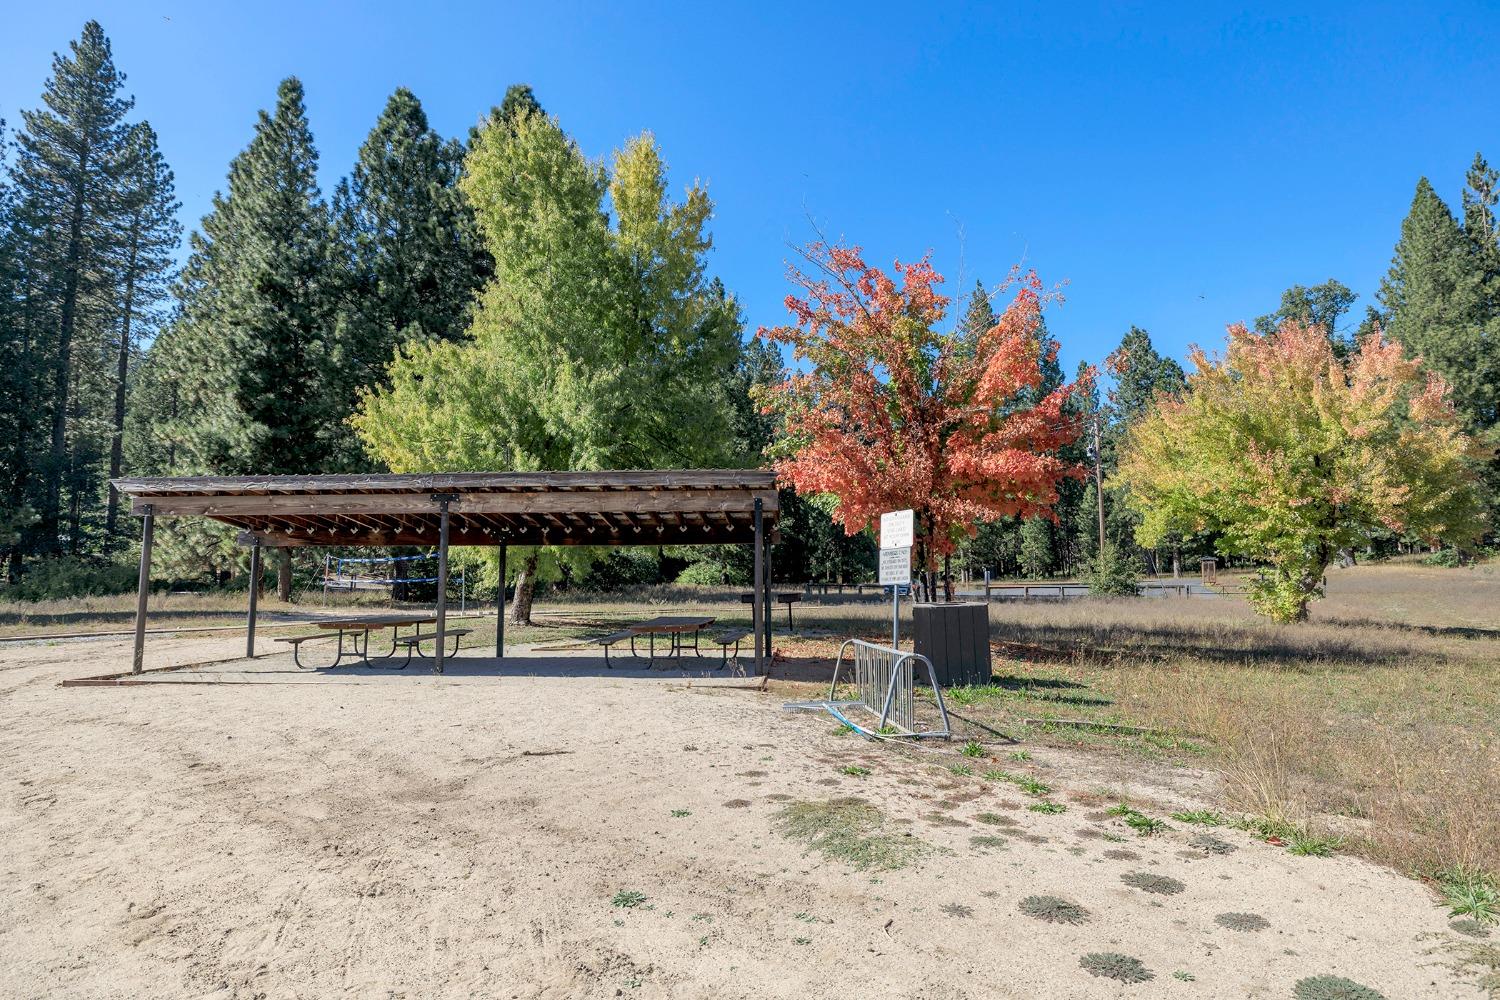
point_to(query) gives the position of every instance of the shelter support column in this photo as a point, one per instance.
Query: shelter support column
(500, 608)
(254, 599)
(143, 586)
(443, 500)
(758, 589)
(767, 605)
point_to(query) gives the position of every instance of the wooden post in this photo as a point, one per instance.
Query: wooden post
(767, 605)
(1099, 485)
(143, 586)
(757, 590)
(500, 607)
(254, 599)
(443, 499)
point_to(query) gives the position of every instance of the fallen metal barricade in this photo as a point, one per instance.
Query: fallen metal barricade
(884, 682)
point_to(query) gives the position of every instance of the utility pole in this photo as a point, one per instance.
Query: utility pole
(1099, 485)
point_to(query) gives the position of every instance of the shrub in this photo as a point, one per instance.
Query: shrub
(72, 576)
(704, 574)
(1111, 574)
(1446, 558)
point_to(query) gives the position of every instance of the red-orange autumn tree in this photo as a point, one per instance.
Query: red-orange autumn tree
(886, 412)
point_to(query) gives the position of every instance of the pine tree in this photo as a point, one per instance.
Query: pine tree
(256, 315)
(148, 236)
(1322, 305)
(71, 155)
(1435, 299)
(518, 102)
(407, 245)
(1481, 193)
(1140, 375)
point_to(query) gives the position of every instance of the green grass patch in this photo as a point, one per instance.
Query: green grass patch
(849, 830)
(1050, 808)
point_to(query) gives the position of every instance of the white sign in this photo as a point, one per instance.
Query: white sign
(895, 566)
(896, 530)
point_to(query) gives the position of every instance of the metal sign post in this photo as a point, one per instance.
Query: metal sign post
(895, 562)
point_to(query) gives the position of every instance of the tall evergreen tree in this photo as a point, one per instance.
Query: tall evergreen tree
(407, 245)
(518, 102)
(1435, 300)
(256, 314)
(72, 153)
(148, 236)
(1481, 193)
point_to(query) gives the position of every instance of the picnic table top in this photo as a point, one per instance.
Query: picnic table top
(377, 621)
(672, 623)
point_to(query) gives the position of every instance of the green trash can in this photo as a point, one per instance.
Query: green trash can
(956, 638)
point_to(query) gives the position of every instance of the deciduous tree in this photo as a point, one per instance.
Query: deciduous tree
(595, 346)
(888, 412)
(1290, 453)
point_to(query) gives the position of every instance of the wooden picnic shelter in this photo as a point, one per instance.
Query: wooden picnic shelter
(652, 507)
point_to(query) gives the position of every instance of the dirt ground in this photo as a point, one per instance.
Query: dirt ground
(410, 836)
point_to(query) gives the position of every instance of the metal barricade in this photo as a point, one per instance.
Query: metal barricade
(884, 682)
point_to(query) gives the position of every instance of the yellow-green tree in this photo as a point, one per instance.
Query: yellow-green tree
(1291, 453)
(597, 345)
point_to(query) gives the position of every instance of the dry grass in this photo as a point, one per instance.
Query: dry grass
(1377, 722)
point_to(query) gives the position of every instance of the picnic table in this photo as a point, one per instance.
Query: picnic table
(354, 637)
(787, 597)
(675, 627)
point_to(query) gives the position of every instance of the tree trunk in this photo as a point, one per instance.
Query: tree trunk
(62, 369)
(122, 368)
(284, 574)
(948, 579)
(520, 606)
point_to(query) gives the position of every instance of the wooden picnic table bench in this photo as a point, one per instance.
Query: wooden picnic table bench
(364, 625)
(354, 632)
(787, 597)
(414, 642)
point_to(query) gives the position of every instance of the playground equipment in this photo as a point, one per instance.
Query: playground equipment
(352, 575)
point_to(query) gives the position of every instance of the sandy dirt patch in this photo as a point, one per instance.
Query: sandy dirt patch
(424, 837)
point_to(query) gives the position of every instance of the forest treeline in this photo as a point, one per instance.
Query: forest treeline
(538, 308)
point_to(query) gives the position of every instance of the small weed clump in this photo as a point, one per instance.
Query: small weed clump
(1182, 976)
(1054, 910)
(1033, 787)
(680, 813)
(996, 774)
(1110, 965)
(849, 830)
(628, 899)
(973, 748)
(1158, 885)
(1199, 817)
(855, 771)
(957, 910)
(1138, 821)
(995, 819)
(1470, 893)
(961, 770)
(1020, 755)
(1333, 988)
(988, 841)
(1049, 808)
(1248, 922)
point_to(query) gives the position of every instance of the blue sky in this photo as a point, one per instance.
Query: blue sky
(1177, 166)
